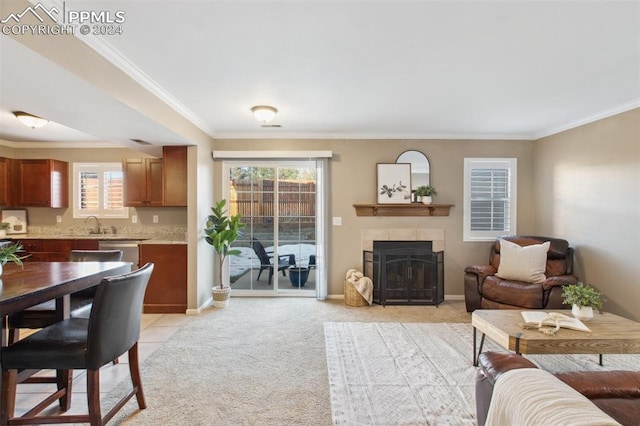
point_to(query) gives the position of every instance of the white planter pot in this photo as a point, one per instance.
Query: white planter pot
(0, 270)
(221, 296)
(584, 313)
(427, 199)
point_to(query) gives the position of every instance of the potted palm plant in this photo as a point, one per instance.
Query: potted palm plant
(4, 227)
(583, 299)
(220, 232)
(9, 253)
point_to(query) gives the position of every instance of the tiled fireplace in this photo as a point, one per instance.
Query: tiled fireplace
(405, 265)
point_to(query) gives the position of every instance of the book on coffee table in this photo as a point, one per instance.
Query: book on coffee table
(552, 319)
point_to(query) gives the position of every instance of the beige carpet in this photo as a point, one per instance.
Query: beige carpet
(263, 361)
(260, 361)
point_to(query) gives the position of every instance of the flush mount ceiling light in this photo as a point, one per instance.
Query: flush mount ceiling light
(30, 120)
(264, 113)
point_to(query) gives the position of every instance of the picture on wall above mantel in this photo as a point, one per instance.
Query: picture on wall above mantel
(394, 183)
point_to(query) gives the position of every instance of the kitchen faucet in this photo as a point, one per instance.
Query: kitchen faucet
(98, 228)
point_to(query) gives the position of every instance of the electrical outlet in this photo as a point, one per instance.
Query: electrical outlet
(134, 219)
(155, 218)
(58, 219)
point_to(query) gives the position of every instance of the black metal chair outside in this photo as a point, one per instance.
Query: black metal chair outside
(112, 329)
(266, 260)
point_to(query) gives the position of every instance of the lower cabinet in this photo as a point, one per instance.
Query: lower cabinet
(54, 250)
(167, 288)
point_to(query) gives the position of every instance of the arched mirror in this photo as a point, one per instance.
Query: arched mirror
(419, 167)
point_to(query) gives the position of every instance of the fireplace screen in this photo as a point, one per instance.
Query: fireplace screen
(405, 273)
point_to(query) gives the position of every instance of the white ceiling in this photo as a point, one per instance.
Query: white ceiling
(348, 69)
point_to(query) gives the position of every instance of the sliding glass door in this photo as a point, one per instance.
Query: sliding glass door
(277, 201)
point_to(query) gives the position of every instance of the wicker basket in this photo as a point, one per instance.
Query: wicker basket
(352, 297)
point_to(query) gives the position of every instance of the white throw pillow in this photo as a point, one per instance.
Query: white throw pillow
(523, 263)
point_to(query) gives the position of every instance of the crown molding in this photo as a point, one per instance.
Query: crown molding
(112, 55)
(390, 136)
(628, 106)
(56, 145)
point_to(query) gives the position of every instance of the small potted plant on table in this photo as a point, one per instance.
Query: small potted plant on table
(220, 232)
(583, 299)
(9, 253)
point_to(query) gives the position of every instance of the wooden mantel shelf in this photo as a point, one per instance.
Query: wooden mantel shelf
(413, 209)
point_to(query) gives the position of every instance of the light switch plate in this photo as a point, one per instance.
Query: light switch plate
(337, 221)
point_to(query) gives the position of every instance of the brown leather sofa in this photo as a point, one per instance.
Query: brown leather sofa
(617, 393)
(484, 290)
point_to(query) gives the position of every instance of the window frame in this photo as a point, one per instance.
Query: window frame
(510, 164)
(101, 212)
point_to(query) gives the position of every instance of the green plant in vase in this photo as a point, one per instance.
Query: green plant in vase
(583, 300)
(220, 232)
(10, 253)
(425, 192)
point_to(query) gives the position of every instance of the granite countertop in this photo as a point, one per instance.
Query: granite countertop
(141, 239)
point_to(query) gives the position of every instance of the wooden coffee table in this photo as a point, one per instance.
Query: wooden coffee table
(610, 334)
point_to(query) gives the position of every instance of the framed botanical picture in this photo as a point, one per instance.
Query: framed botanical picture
(394, 183)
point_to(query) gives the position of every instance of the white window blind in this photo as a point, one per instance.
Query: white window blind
(98, 190)
(489, 198)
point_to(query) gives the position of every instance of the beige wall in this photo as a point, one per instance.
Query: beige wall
(588, 191)
(353, 180)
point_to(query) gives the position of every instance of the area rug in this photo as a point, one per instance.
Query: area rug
(417, 373)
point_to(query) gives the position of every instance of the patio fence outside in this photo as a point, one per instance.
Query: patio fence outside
(296, 200)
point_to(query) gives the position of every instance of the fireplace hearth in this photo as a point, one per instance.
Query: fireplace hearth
(405, 272)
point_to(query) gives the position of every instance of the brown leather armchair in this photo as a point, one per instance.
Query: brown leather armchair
(485, 290)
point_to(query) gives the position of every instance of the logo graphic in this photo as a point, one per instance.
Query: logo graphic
(69, 22)
(34, 11)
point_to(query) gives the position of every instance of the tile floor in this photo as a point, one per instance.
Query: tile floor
(156, 329)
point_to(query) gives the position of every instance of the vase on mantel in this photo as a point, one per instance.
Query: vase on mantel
(583, 313)
(426, 199)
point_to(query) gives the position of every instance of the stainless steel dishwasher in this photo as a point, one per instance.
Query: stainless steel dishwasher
(129, 249)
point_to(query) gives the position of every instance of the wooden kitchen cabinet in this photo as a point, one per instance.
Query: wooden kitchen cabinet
(174, 176)
(54, 250)
(42, 183)
(7, 187)
(142, 182)
(156, 182)
(167, 288)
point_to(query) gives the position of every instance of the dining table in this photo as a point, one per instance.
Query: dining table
(32, 283)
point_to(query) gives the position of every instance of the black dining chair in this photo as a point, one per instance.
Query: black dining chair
(284, 260)
(44, 314)
(112, 329)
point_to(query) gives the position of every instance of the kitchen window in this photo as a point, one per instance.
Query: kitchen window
(98, 190)
(489, 198)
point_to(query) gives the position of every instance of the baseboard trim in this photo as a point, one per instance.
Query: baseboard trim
(202, 307)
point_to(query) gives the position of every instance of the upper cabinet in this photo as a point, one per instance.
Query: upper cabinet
(174, 176)
(142, 182)
(42, 183)
(6, 182)
(156, 182)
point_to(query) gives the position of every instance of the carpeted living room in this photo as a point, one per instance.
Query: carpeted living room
(292, 361)
(406, 185)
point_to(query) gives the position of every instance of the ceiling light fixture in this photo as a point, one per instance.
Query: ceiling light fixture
(264, 113)
(30, 120)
